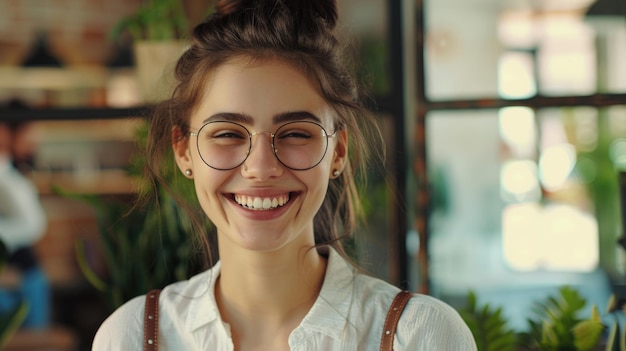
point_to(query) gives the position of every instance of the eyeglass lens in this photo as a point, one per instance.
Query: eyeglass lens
(297, 145)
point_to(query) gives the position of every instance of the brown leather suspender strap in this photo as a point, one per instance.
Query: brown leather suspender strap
(151, 321)
(393, 316)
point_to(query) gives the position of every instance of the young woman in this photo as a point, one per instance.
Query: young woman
(266, 122)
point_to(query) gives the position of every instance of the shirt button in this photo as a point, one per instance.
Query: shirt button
(297, 335)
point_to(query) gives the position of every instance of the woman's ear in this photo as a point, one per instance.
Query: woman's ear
(340, 155)
(182, 153)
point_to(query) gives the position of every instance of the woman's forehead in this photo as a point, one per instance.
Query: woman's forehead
(261, 89)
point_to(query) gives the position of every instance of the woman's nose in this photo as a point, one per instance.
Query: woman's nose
(261, 162)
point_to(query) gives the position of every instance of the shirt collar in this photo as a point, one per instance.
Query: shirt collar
(328, 315)
(203, 309)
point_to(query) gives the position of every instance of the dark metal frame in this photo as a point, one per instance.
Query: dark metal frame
(425, 105)
(70, 114)
(394, 104)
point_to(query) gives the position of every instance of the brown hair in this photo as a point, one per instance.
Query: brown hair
(299, 33)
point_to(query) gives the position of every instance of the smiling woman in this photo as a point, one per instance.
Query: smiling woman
(274, 169)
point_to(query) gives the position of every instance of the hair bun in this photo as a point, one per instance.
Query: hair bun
(226, 7)
(325, 10)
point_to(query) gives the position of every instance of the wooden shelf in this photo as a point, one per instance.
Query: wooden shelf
(100, 182)
(82, 113)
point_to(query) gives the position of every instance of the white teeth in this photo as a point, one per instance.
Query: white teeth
(262, 203)
(267, 203)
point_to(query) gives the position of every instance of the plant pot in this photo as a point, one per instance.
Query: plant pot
(155, 62)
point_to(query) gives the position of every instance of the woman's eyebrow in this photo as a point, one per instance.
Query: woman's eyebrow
(231, 117)
(295, 116)
(279, 118)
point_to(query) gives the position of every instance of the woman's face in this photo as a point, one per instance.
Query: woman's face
(261, 204)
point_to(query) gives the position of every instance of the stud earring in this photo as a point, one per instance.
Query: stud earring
(188, 172)
(336, 173)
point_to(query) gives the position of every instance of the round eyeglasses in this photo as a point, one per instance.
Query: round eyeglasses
(299, 145)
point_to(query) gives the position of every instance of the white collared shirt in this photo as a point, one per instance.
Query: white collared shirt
(349, 314)
(22, 218)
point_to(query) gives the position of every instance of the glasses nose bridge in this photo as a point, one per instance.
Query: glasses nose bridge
(271, 141)
(270, 134)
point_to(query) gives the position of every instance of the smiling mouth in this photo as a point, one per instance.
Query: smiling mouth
(261, 203)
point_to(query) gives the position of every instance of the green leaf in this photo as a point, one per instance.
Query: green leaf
(84, 267)
(487, 325)
(611, 342)
(587, 334)
(549, 338)
(622, 340)
(612, 304)
(558, 326)
(4, 255)
(11, 320)
(157, 20)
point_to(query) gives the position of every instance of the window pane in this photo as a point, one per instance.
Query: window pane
(515, 50)
(523, 202)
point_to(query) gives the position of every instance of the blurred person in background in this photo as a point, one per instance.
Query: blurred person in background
(22, 223)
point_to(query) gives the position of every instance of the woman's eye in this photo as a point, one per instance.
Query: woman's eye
(299, 134)
(227, 135)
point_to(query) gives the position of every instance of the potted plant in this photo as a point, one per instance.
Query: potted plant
(556, 325)
(158, 30)
(488, 326)
(144, 247)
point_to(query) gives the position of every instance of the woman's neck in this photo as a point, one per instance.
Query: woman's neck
(261, 293)
(271, 281)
